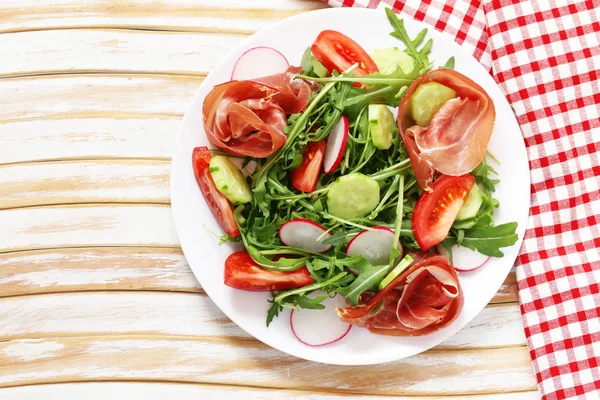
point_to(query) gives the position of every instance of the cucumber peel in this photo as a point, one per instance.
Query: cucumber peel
(381, 126)
(472, 204)
(229, 180)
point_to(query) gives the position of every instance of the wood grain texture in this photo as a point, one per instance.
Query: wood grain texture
(161, 391)
(93, 269)
(104, 181)
(87, 225)
(209, 15)
(58, 51)
(250, 363)
(88, 138)
(182, 314)
(92, 95)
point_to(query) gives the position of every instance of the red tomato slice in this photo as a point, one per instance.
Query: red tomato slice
(436, 211)
(242, 272)
(338, 52)
(305, 177)
(219, 205)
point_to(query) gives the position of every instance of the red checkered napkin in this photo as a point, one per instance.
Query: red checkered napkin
(545, 55)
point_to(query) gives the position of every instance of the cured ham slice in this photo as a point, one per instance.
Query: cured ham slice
(424, 299)
(247, 117)
(455, 141)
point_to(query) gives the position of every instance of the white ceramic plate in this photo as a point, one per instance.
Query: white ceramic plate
(195, 222)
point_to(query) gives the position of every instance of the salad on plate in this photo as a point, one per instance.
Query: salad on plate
(356, 182)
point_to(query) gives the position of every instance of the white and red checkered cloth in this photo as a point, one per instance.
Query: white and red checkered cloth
(545, 56)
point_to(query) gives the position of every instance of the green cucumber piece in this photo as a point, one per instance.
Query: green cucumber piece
(318, 68)
(381, 125)
(427, 99)
(229, 180)
(398, 269)
(472, 204)
(353, 196)
(388, 60)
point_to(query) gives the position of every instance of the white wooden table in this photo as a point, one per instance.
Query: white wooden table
(96, 298)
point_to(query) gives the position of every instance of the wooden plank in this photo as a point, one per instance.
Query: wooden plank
(211, 15)
(95, 95)
(161, 391)
(115, 268)
(59, 51)
(182, 314)
(88, 138)
(71, 182)
(87, 225)
(250, 363)
(94, 269)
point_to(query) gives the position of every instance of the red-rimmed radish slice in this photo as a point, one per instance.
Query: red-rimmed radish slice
(304, 234)
(463, 258)
(320, 327)
(336, 145)
(374, 245)
(258, 62)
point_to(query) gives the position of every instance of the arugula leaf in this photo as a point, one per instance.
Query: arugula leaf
(311, 303)
(368, 278)
(450, 63)
(412, 45)
(489, 239)
(273, 311)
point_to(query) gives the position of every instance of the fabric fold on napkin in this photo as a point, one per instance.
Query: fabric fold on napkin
(545, 56)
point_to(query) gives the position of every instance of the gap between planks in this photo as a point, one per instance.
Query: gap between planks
(165, 389)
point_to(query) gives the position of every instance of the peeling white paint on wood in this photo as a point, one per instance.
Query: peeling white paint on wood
(120, 313)
(44, 52)
(93, 137)
(86, 225)
(93, 269)
(241, 362)
(37, 97)
(62, 182)
(215, 15)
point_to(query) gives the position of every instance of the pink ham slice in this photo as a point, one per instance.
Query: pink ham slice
(247, 117)
(424, 299)
(454, 143)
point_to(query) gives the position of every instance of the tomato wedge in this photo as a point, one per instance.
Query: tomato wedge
(305, 177)
(435, 211)
(218, 204)
(242, 272)
(338, 52)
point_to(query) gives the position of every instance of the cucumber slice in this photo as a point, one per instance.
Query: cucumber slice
(229, 180)
(381, 125)
(472, 204)
(388, 60)
(352, 196)
(427, 99)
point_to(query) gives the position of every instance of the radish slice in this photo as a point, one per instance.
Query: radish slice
(463, 258)
(258, 62)
(320, 327)
(336, 145)
(303, 233)
(373, 245)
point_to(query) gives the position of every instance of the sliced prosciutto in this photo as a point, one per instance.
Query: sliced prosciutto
(247, 117)
(455, 141)
(425, 298)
